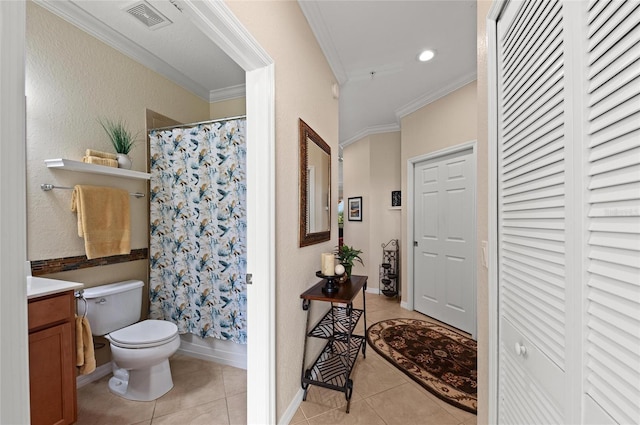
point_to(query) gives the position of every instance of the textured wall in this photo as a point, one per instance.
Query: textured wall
(72, 79)
(303, 82)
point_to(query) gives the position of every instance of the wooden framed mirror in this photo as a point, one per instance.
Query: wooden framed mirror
(315, 187)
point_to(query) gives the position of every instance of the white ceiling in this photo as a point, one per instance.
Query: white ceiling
(371, 47)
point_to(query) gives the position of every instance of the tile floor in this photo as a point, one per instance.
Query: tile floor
(209, 393)
(203, 393)
(381, 393)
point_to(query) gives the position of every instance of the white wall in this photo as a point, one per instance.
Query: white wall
(372, 170)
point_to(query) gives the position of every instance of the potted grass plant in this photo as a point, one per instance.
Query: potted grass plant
(122, 140)
(347, 255)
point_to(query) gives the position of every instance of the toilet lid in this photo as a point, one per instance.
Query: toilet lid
(147, 333)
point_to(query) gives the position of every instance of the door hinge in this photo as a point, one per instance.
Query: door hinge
(415, 243)
(249, 279)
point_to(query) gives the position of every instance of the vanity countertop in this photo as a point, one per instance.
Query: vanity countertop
(40, 286)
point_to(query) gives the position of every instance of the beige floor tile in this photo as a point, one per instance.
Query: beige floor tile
(184, 365)
(237, 408)
(212, 413)
(235, 380)
(461, 415)
(298, 417)
(374, 375)
(405, 405)
(472, 421)
(143, 423)
(359, 414)
(97, 406)
(191, 390)
(321, 400)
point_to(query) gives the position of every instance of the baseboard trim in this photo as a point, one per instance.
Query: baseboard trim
(404, 305)
(288, 414)
(375, 291)
(213, 355)
(100, 372)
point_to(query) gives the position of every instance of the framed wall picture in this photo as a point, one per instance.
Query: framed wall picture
(396, 198)
(354, 205)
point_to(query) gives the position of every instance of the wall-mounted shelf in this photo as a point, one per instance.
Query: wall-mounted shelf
(70, 165)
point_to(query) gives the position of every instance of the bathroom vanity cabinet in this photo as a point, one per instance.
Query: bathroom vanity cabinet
(52, 372)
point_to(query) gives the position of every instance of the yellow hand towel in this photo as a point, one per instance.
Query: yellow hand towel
(100, 154)
(85, 356)
(103, 220)
(100, 161)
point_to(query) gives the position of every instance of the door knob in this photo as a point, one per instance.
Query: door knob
(521, 350)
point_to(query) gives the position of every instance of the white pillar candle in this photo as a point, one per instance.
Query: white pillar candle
(327, 264)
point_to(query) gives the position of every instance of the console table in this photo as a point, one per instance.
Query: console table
(333, 366)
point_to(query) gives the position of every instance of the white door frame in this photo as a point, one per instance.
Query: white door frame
(411, 163)
(217, 21)
(492, 105)
(14, 348)
(492, 215)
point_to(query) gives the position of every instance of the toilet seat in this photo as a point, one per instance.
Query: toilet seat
(148, 333)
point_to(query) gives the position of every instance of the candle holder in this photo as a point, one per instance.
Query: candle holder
(331, 286)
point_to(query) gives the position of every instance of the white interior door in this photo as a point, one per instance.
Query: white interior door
(533, 192)
(444, 239)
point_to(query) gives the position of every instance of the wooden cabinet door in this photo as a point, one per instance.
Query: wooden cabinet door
(51, 378)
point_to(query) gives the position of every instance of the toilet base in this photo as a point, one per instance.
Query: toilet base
(144, 384)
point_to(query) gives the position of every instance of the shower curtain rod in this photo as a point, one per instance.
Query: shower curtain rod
(199, 123)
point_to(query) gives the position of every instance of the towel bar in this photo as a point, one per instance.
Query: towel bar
(79, 295)
(47, 187)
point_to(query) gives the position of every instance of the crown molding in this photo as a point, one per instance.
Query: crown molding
(91, 25)
(376, 129)
(228, 93)
(323, 36)
(428, 98)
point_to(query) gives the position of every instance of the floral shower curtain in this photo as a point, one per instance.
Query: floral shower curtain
(197, 248)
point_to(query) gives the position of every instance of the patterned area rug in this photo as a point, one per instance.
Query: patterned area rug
(439, 359)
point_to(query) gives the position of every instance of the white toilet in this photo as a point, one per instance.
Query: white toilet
(139, 351)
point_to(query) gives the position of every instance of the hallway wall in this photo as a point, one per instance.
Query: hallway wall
(303, 82)
(372, 170)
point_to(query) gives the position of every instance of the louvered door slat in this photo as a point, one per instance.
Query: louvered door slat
(536, 35)
(543, 83)
(600, 12)
(549, 130)
(532, 224)
(612, 339)
(595, 8)
(610, 34)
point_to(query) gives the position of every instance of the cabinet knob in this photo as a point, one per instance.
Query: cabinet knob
(521, 350)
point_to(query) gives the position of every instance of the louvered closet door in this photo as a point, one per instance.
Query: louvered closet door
(612, 322)
(532, 192)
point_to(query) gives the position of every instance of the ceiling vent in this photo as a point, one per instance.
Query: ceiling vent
(148, 15)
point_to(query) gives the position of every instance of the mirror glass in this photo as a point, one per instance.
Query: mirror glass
(315, 187)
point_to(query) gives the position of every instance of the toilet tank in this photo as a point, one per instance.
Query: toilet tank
(113, 306)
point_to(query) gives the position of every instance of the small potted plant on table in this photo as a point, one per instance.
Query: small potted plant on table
(347, 255)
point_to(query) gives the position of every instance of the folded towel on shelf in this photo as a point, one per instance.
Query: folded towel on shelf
(100, 154)
(85, 356)
(103, 220)
(100, 161)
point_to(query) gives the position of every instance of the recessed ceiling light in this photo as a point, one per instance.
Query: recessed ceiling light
(426, 55)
